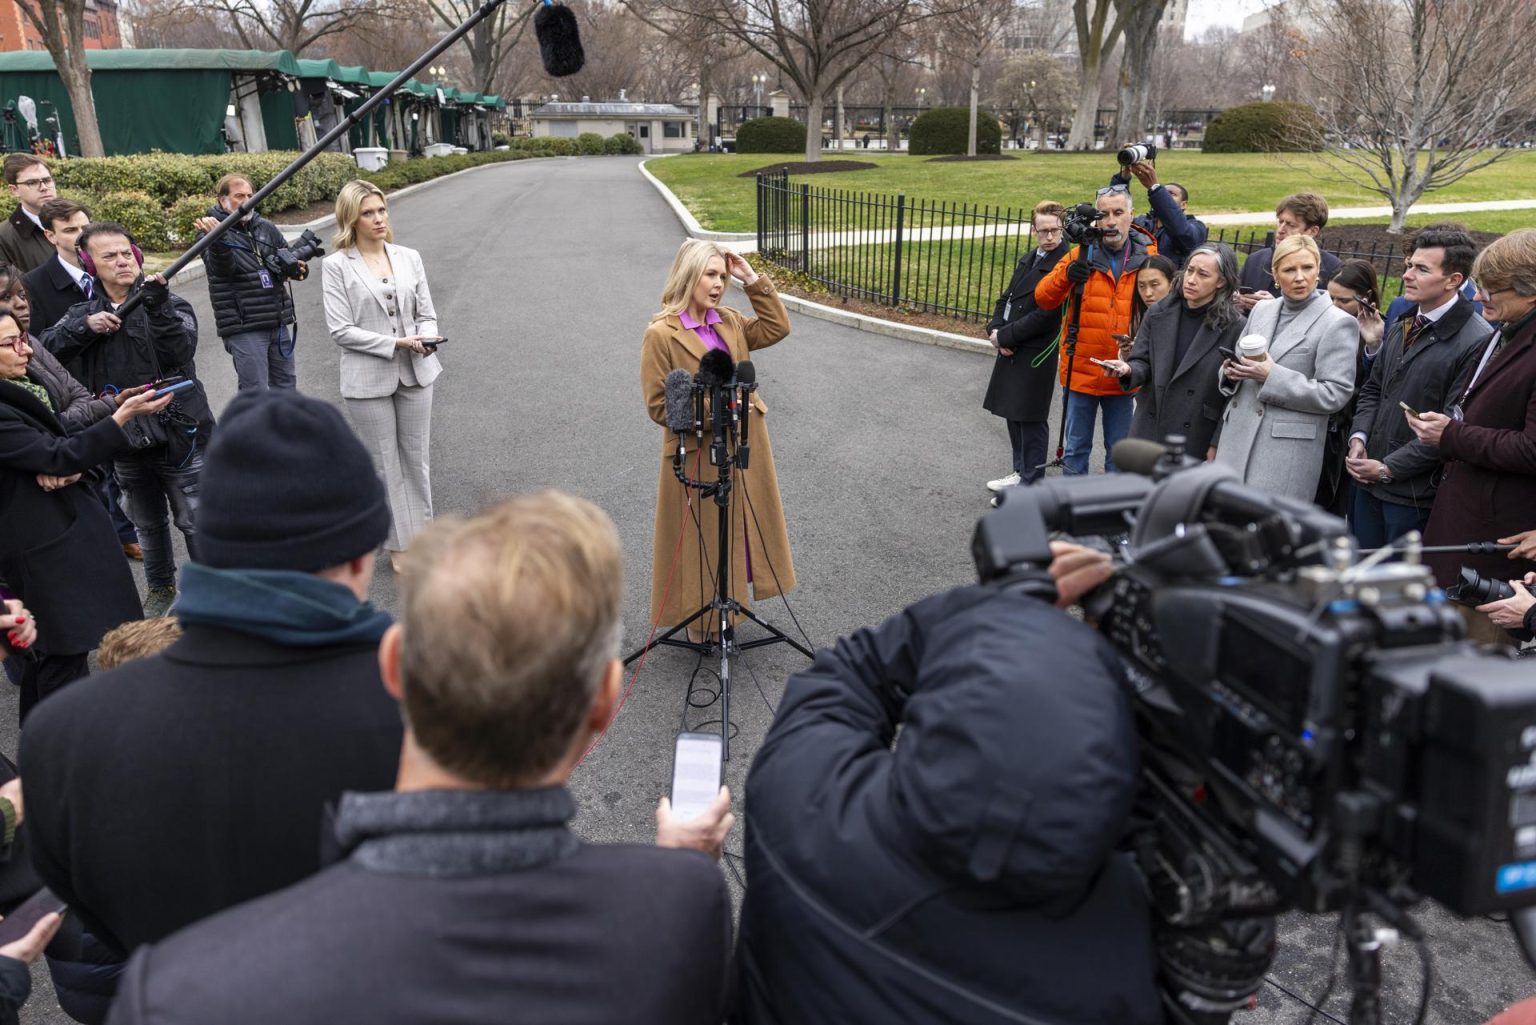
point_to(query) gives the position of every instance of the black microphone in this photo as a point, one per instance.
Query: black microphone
(715, 369)
(746, 383)
(559, 40)
(1137, 455)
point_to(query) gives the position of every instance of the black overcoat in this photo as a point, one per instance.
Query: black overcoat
(59, 551)
(1020, 389)
(1185, 399)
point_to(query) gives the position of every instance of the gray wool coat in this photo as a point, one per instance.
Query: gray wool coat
(1273, 434)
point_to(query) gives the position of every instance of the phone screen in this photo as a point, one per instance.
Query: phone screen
(695, 774)
(20, 921)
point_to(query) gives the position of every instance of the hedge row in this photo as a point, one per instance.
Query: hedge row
(158, 196)
(946, 131)
(1273, 127)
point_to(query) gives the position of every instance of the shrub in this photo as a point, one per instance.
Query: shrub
(622, 144)
(1275, 127)
(183, 212)
(944, 131)
(141, 214)
(771, 135)
(500, 139)
(589, 144)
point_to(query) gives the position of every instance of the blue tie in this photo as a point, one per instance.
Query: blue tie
(86, 287)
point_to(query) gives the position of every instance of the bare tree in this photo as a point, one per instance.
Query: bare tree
(1142, 28)
(1097, 34)
(969, 35)
(294, 25)
(1416, 94)
(1272, 54)
(897, 67)
(816, 44)
(491, 41)
(62, 25)
(388, 39)
(1038, 85)
(170, 24)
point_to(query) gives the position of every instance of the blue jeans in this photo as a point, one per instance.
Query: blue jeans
(259, 357)
(150, 484)
(1377, 524)
(1081, 408)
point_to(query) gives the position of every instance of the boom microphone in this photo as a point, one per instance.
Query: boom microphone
(1137, 455)
(716, 368)
(679, 391)
(559, 40)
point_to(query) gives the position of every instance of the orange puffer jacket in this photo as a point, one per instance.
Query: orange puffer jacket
(1107, 303)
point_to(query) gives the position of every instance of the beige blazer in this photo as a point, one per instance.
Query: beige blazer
(357, 309)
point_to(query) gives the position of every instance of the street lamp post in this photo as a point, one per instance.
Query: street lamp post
(759, 79)
(1269, 92)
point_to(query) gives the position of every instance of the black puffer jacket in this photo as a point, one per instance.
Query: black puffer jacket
(235, 262)
(159, 342)
(967, 874)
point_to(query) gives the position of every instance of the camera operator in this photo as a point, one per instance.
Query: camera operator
(1107, 277)
(967, 874)
(251, 304)
(1169, 222)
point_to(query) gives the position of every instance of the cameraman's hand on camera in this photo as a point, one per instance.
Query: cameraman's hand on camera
(705, 833)
(1510, 613)
(140, 405)
(1145, 172)
(1079, 272)
(103, 323)
(1077, 570)
(303, 270)
(155, 291)
(1524, 542)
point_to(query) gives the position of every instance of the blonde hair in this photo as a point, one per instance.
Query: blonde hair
(688, 267)
(139, 638)
(349, 203)
(1508, 262)
(508, 623)
(1289, 245)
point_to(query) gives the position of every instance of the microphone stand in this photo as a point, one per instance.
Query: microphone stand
(727, 401)
(1075, 297)
(323, 143)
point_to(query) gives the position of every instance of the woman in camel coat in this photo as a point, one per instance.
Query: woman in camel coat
(690, 323)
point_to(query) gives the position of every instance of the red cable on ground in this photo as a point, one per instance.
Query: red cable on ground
(645, 652)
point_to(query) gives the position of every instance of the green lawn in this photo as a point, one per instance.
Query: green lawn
(710, 186)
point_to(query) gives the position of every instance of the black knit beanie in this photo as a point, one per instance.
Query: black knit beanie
(287, 485)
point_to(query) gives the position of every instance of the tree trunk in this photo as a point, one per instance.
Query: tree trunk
(970, 138)
(840, 122)
(814, 102)
(704, 140)
(892, 129)
(77, 82)
(1087, 112)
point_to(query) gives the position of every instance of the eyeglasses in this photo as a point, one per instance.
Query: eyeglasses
(37, 183)
(1111, 190)
(1047, 231)
(16, 342)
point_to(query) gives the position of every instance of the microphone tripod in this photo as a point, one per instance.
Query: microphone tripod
(1073, 323)
(729, 403)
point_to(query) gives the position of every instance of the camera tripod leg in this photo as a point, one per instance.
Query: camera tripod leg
(1364, 943)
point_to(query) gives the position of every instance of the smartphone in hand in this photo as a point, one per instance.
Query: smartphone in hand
(171, 389)
(1410, 410)
(31, 911)
(1228, 354)
(696, 765)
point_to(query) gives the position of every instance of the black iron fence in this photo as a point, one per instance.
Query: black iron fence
(951, 259)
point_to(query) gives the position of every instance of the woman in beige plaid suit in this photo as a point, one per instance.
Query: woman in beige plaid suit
(380, 312)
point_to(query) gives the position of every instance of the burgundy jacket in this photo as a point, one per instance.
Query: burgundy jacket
(1489, 490)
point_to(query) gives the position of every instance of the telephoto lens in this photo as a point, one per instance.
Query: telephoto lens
(1140, 151)
(1472, 588)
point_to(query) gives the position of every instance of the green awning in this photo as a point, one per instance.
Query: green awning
(160, 60)
(495, 102)
(319, 69)
(352, 74)
(379, 79)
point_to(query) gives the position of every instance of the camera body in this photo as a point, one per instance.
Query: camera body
(1314, 733)
(1136, 152)
(1081, 224)
(285, 262)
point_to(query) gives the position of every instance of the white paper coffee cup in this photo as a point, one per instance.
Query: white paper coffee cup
(1253, 347)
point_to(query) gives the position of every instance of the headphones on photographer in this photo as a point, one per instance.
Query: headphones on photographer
(89, 265)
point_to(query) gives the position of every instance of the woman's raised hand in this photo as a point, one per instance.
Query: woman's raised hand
(141, 404)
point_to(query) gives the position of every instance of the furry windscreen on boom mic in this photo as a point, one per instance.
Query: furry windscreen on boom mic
(678, 389)
(559, 40)
(715, 368)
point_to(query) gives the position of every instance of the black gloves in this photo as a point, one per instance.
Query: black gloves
(1079, 272)
(155, 294)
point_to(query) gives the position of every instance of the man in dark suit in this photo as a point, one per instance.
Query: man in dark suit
(56, 285)
(1304, 213)
(1024, 373)
(465, 887)
(22, 242)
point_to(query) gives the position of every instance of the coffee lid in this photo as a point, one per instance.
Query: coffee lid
(1253, 343)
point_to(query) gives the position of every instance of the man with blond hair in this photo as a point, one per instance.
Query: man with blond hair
(465, 887)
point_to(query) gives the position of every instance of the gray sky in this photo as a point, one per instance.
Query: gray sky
(1204, 13)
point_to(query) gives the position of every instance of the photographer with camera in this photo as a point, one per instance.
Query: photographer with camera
(1101, 268)
(1177, 233)
(249, 267)
(969, 873)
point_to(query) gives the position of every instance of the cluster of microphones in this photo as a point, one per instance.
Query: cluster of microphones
(715, 398)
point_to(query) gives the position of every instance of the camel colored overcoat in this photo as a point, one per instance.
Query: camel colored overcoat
(757, 516)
